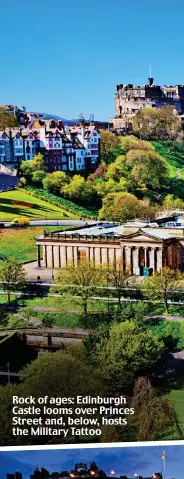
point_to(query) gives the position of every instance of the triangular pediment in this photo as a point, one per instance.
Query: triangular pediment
(141, 235)
(140, 238)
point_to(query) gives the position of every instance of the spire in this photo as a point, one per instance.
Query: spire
(150, 79)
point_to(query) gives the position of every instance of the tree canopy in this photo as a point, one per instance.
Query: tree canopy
(163, 285)
(81, 281)
(124, 207)
(127, 352)
(12, 276)
(109, 146)
(153, 412)
(55, 182)
(157, 123)
(8, 120)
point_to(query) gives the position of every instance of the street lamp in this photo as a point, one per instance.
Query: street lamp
(112, 473)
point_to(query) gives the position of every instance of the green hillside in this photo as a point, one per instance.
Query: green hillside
(174, 154)
(16, 203)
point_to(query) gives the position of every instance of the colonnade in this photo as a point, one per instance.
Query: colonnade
(132, 257)
(57, 256)
(143, 257)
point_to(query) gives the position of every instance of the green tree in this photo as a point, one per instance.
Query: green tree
(8, 120)
(118, 278)
(153, 413)
(75, 188)
(116, 169)
(123, 207)
(81, 281)
(28, 168)
(98, 173)
(147, 168)
(163, 285)
(22, 182)
(38, 176)
(125, 353)
(57, 374)
(104, 187)
(55, 182)
(133, 143)
(37, 163)
(12, 277)
(171, 203)
(109, 146)
(157, 123)
(79, 190)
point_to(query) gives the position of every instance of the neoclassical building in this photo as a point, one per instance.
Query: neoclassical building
(142, 252)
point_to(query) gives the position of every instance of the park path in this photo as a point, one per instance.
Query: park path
(45, 331)
(169, 317)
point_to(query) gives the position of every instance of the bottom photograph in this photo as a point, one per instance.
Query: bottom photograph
(141, 462)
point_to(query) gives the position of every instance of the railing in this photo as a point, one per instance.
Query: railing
(81, 238)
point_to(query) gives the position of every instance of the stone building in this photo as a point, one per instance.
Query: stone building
(142, 252)
(129, 99)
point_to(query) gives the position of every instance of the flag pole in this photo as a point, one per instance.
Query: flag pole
(164, 465)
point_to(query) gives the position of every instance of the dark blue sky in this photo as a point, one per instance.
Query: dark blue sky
(66, 57)
(128, 460)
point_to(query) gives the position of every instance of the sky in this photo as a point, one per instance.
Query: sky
(66, 57)
(124, 460)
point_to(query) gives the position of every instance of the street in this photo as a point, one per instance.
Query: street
(7, 182)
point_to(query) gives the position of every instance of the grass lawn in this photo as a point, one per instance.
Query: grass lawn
(66, 303)
(174, 157)
(176, 397)
(39, 210)
(19, 243)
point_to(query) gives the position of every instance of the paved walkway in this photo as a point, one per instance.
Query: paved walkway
(32, 271)
(169, 317)
(52, 331)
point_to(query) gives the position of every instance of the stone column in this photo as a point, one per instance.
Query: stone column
(119, 257)
(63, 256)
(104, 255)
(145, 257)
(152, 259)
(111, 256)
(46, 257)
(69, 255)
(91, 256)
(38, 256)
(128, 257)
(97, 255)
(49, 257)
(56, 257)
(136, 257)
(159, 259)
(75, 259)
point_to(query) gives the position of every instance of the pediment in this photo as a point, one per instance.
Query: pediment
(140, 238)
